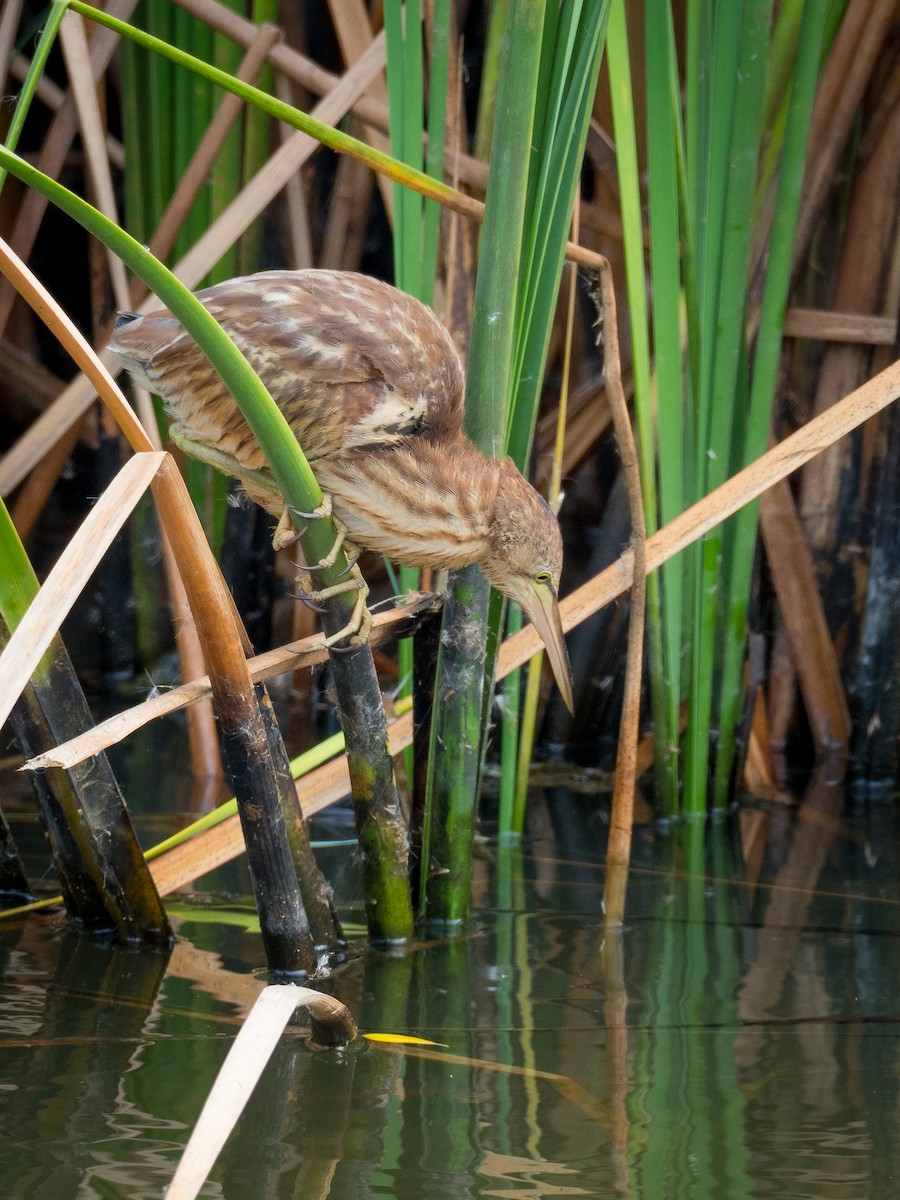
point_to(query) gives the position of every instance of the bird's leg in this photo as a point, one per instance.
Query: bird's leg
(285, 534)
(359, 626)
(226, 463)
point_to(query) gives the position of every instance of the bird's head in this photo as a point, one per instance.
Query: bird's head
(524, 563)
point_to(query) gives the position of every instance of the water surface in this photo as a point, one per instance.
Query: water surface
(737, 1038)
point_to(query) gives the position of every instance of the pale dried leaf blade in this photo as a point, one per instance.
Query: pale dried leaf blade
(776, 464)
(76, 564)
(235, 1082)
(307, 652)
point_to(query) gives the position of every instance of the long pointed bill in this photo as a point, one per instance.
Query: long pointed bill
(540, 605)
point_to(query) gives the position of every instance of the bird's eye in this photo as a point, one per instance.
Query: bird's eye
(543, 577)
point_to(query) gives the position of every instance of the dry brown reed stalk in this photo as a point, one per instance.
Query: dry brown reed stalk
(839, 96)
(214, 847)
(779, 462)
(348, 206)
(53, 97)
(345, 92)
(868, 244)
(863, 290)
(36, 490)
(775, 465)
(368, 108)
(760, 776)
(9, 24)
(202, 731)
(202, 737)
(205, 253)
(354, 33)
(280, 167)
(824, 325)
(587, 420)
(52, 156)
(93, 137)
(298, 234)
(231, 223)
(618, 849)
(331, 782)
(793, 575)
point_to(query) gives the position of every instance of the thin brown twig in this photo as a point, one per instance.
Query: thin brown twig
(618, 851)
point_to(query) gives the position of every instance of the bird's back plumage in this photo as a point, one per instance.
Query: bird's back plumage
(350, 361)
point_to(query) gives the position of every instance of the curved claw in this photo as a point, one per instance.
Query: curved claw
(359, 626)
(286, 535)
(306, 598)
(324, 510)
(352, 560)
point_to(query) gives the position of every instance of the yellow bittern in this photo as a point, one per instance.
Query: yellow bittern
(372, 386)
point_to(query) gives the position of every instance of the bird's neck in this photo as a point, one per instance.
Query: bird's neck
(422, 503)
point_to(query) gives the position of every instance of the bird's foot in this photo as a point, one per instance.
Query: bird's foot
(286, 535)
(359, 626)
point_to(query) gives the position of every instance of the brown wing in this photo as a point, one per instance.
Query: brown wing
(350, 361)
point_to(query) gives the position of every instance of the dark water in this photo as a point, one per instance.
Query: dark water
(740, 1037)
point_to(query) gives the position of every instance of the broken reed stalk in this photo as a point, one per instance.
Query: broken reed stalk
(380, 825)
(331, 1025)
(618, 849)
(271, 818)
(106, 883)
(273, 826)
(203, 744)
